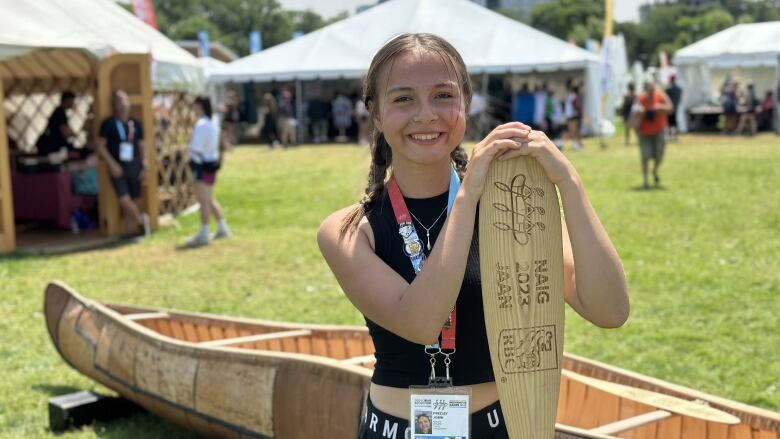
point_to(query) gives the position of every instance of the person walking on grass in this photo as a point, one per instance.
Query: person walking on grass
(418, 91)
(573, 113)
(747, 118)
(675, 95)
(120, 144)
(628, 103)
(652, 139)
(205, 162)
(270, 130)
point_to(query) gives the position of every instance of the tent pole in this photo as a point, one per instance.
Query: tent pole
(777, 98)
(7, 227)
(299, 109)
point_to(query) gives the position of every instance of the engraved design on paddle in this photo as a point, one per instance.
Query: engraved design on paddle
(528, 349)
(520, 208)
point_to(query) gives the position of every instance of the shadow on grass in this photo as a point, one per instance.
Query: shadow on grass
(22, 254)
(54, 390)
(188, 247)
(142, 425)
(641, 188)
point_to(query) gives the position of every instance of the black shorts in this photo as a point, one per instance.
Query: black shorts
(671, 119)
(205, 172)
(487, 423)
(129, 184)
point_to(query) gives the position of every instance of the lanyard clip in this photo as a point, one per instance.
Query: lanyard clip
(439, 382)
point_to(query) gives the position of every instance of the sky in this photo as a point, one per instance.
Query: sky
(625, 10)
(325, 8)
(628, 10)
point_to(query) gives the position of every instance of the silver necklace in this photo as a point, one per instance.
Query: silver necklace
(428, 229)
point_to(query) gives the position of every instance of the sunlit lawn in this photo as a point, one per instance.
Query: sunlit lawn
(701, 255)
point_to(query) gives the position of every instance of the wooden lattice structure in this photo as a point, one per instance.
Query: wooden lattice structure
(29, 89)
(29, 92)
(175, 118)
(31, 86)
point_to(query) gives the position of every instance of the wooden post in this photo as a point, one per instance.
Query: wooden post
(299, 111)
(131, 74)
(7, 229)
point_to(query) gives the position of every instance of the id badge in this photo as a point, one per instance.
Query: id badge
(126, 152)
(440, 412)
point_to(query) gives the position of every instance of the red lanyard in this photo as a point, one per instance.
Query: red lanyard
(413, 248)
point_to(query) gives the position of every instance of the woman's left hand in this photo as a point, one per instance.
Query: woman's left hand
(539, 146)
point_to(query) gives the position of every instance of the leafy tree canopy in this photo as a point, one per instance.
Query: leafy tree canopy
(230, 21)
(668, 26)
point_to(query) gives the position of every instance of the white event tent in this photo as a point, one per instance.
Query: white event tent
(745, 52)
(99, 26)
(488, 42)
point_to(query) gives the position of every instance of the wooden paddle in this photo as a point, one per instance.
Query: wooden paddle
(521, 261)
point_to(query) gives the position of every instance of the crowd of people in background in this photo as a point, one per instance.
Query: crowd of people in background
(340, 116)
(558, 111)
(744, 111)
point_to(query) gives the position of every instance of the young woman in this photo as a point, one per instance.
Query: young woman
(417, 91)
(204, 163)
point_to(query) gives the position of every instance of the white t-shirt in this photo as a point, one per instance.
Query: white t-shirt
(540, 100)
(570, 111)
(360, 109)
(204, 146)
(478, 104)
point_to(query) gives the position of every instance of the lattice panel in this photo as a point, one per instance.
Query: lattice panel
(174, 122)
(28, 105)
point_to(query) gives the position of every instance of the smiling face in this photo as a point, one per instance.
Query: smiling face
(421, 108)
(425, 424)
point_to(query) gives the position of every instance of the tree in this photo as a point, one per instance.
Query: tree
(668, 26)
(514, 14)
(570, 19)
(231, 21)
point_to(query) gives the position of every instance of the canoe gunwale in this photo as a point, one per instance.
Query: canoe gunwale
(207, 318)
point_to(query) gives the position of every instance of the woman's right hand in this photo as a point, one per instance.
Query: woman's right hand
(503, 138)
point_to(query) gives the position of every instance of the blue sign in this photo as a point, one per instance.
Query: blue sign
(255, 42)
(203, 38)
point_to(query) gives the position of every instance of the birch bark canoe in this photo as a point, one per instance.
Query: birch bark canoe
(229, 377)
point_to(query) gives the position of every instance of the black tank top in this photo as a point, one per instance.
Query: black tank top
(402, 363)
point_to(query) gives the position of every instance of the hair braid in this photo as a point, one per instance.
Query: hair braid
(460, 159)
(381, 159)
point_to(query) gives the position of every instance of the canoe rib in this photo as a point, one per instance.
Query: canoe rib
(362, 359)
(255, 338)
(632, 423)
(147, 316)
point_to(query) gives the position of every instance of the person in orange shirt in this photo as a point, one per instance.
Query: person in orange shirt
(656, 106)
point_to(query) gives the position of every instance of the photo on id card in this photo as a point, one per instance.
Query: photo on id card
(440, 413)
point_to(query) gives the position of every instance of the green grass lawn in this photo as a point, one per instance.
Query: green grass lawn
(701, 256)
